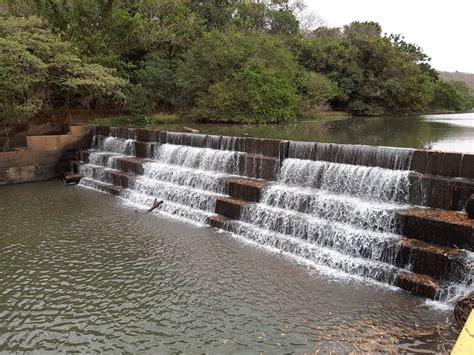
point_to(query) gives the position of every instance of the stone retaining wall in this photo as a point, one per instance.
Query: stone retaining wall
(45, 156)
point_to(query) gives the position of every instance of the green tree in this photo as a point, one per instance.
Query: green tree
(250, 75)
(316, 91)
(452, 95)
(41, 70)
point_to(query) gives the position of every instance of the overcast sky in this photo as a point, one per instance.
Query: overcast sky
(444, 29)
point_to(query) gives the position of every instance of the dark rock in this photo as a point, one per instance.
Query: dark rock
(463, 309)
(470, 207)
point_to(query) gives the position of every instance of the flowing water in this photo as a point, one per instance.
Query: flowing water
(337, 217)
(83, 272)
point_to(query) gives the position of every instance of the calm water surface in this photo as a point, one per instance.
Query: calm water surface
(450, 132)
(79, 271)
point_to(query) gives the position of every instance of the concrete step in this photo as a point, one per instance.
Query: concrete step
(72, 178)
(101, 186)
(245, 188)
(447, 228)
(422, 285)
(441, 263)
(439, 191)
(230, 207)
(417, 284)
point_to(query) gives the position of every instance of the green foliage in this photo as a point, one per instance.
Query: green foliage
(239, 77)
(39, 69)
(316, 90)
(22, 79)
(452, 95)
(375, 74)
(216, 60)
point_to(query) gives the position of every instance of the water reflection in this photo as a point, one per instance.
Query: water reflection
(451, 132)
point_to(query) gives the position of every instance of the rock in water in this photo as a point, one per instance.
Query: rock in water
(463, 308)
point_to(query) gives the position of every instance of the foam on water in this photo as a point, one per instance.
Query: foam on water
(338, 213)
(188, 179)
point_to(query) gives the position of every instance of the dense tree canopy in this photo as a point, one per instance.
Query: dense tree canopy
(219, 60)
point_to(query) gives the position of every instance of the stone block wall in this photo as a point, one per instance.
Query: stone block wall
(45, 156)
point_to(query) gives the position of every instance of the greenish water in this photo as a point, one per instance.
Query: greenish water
(450, 132)
(82, 272)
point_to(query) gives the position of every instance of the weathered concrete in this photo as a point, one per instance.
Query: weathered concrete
(145, 149)
(27, 166)
(439, 191)
(109, 188)
(418, 284)
(147, 135)
(448, 228)
(443, 163)
(72, 178)
(131, 165)
(259, 167)
(122, 179)
(230, 207)
(219, 221)
(246, 189)
(439, 262)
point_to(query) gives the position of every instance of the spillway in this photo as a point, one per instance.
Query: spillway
(335, 207)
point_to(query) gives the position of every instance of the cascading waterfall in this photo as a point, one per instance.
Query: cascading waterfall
(188, 179)
(333, 215)
(333, 206)
(386, 157)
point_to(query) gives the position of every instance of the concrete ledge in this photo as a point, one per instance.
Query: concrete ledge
(85, 155)
(418, 284)
(147, 135)
(448, 228)
(246, 189)
(119, 178)
(230, 207)
(354, 154)
(131, 165)
(57, 142)
(111, 189)
(145, 149)
(443, 163)
(122, 132)
(220, 222)
(439, 191)
(259, 167)
(101, 130)
(27, 166)
(467, 166)
(439, 262)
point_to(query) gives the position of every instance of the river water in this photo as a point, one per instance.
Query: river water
(449, 132)
(81, 271)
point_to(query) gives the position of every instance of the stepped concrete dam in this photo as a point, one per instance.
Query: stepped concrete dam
(384, 218)
(392, 215)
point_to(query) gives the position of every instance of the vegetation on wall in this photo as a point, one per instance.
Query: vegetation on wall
(222, 61)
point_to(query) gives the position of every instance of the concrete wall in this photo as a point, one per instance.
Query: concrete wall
(45, 156)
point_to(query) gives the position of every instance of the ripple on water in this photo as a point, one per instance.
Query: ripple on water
(81, 272)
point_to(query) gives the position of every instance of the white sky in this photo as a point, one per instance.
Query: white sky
(444, 29)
